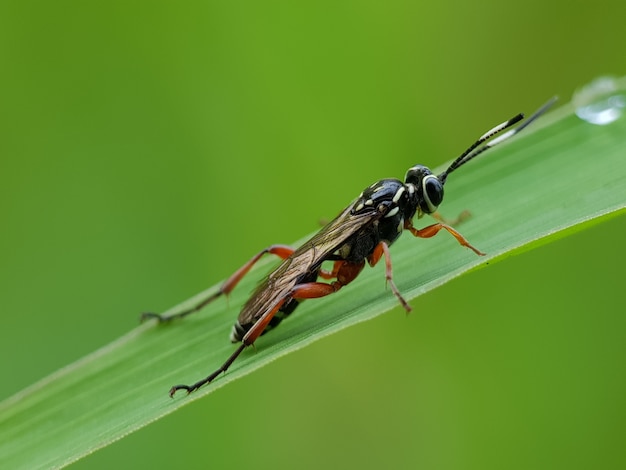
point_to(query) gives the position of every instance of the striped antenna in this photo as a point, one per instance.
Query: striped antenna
(486, 142)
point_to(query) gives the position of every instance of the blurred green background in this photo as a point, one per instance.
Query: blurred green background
(147, 149)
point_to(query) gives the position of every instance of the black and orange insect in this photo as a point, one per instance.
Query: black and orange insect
(361, 233)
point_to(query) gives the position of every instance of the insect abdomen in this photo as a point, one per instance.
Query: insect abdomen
(239, 330)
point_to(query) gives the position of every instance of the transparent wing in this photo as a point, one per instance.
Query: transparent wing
(305, 261)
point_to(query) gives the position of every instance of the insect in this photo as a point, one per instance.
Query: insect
(361, 233)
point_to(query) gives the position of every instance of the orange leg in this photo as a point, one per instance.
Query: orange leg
(248, 340)
(324, 274)
(383, 249)
(432, 230)
(282, 251)
(346, 272)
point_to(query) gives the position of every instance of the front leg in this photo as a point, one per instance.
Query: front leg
(433, 229)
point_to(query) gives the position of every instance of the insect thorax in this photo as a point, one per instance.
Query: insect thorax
(395, 200)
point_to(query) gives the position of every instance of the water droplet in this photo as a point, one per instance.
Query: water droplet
(601, 102)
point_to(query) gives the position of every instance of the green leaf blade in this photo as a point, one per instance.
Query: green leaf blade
(564, 176)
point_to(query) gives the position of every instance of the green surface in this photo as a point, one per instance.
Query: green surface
(121, 387)
(148, 150)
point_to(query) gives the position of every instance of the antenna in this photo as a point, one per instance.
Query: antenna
(477, 147)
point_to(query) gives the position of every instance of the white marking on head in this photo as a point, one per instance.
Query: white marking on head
(431, 206)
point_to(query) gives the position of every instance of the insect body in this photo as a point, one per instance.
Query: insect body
(361, 233)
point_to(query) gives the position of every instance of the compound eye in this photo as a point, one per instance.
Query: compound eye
(432, 193)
